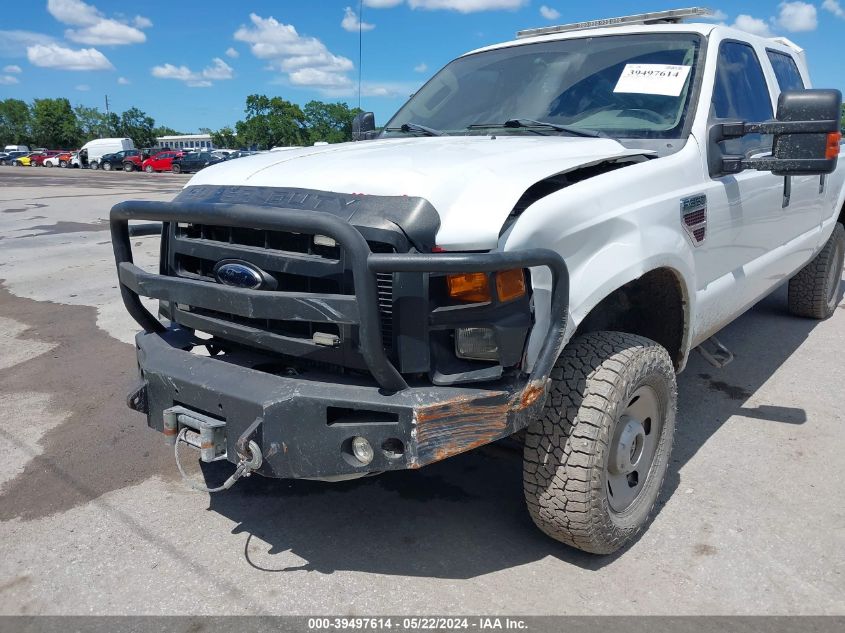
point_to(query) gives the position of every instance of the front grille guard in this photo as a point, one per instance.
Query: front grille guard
(360, 308)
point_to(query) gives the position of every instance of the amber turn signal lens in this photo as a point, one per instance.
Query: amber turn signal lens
(833, 140)
(510, 284)
(469, 287)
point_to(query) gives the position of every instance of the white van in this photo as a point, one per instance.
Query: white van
(16, 148)
(91, 153)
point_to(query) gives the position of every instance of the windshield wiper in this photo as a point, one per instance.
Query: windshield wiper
(529, 123)
(416, 127)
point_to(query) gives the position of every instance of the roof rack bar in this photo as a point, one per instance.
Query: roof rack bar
(673, 16)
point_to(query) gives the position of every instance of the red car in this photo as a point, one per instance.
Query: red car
(37, 160)
(163, 161)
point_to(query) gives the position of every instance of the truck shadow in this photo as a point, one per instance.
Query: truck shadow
(465, 517)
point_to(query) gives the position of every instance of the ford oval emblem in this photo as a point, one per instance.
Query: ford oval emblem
(239, 274)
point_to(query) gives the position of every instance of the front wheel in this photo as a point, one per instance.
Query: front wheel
(63, 163)
(149, 169)
(176, 169)
(594, 461)
(46, 164)
(95, 165)
(106, 166)
(816, 290)
(128, 167)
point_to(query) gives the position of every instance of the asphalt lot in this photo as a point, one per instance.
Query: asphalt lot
(94, 518)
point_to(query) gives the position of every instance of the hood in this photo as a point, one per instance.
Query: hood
(472, 181)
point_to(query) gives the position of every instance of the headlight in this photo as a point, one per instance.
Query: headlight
(476, 343)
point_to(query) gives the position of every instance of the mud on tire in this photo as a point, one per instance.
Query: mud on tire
(570, 447)
(815, 291)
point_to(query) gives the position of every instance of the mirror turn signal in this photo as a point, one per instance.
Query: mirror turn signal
(833, 141)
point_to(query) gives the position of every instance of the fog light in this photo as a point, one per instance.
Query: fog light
(362, 450)
(476, 343)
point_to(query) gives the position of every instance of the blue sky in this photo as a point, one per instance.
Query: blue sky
(190, 64)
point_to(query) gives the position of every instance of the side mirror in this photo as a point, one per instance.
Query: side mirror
(363, 126)
(806, 136)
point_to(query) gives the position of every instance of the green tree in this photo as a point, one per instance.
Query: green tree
(91, 122)
(163, 130)
(226, 137)
(138, 126)
(15, 123)
(329, 122)
(271, 122)
(54, 123)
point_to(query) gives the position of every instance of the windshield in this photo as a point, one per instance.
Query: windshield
(625, 86)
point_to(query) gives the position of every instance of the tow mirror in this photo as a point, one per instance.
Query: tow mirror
(806, 136)
(364, 126)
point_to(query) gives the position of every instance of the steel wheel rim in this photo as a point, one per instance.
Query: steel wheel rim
(633, 448)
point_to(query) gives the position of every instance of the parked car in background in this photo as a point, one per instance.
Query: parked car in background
(26, 160)
(118, 160)
(23, 149)
(133, 159)
(91, 153)
(38, 160)
(193, 161)
(9, 159)
(162, 161)
(61, 159)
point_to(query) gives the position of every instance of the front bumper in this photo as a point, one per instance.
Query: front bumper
(304, 424)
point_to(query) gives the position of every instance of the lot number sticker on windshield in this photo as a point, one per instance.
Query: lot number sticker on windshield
(653, 79)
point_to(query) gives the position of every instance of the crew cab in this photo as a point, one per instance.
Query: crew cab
(532, 247)
(162, 161)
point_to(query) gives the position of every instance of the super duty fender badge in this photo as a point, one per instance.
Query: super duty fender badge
(694, 217)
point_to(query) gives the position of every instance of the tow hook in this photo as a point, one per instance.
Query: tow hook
(208, 436)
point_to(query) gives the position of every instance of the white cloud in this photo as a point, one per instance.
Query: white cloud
(352, 24)
(123, 81)
(834, 7)
(60, 57)
(15, 43)
(549, 13)
(382, 4)
(421, 68)
(82, 87)
(717, 15)
(231, 52)
(12, 68)
(218, 70)
(8, 80)
(797, 17)
(467, 6)
(305, 60)
(390, 90)
(93, 27)
(752, 25)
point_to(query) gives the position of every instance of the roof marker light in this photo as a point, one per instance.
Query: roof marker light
(673, 16)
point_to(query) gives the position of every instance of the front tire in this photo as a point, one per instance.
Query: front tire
(595, 460)
(106, 166)
(176, 169)
(149, 169)
(816, 290)
(128, 167)
(95, 165)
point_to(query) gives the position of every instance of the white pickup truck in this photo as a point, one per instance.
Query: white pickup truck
(531, 247)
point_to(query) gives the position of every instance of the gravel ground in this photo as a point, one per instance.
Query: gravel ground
(94, 519)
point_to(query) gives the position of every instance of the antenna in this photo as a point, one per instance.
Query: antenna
(360, 47)
(107, 105)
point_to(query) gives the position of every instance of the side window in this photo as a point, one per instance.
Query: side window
(786, 71)
(741, 92)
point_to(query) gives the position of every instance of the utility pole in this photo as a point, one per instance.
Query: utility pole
(107, 105)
